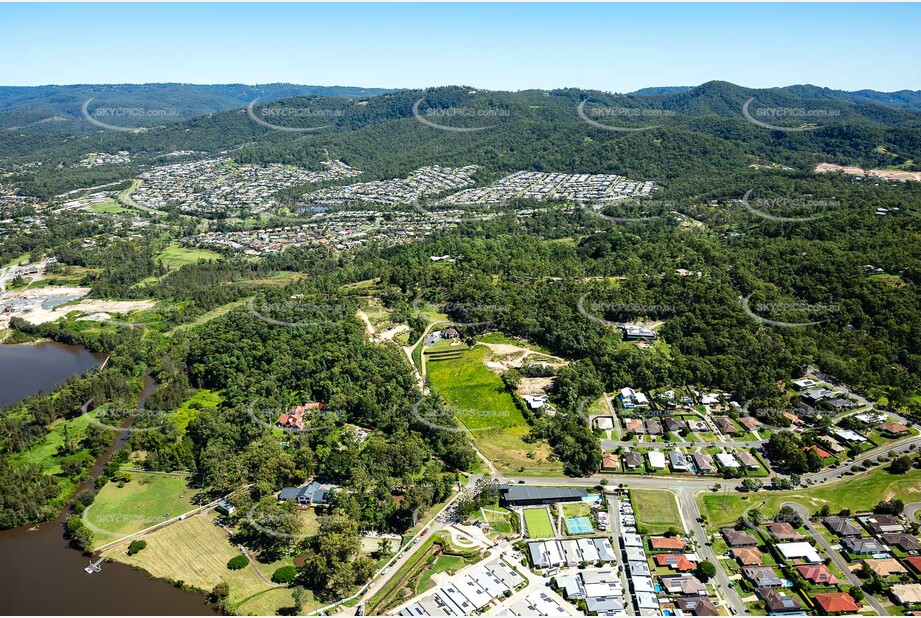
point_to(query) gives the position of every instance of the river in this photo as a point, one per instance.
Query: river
(41, 573)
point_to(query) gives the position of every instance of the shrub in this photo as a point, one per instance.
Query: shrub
(238, 562)
(136, 546)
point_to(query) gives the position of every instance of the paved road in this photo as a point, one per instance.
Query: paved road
(910, 510)
(834, 555)
(690, 515)
(616, 532)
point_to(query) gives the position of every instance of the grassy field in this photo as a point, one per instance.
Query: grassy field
(482, 403)
(147, 500)
(204, 398)
(856, 493)
(656, 510)
(576, 509)
(210, 315)
(175, 256)
(196, 551)
(538, 523)
(109, 207)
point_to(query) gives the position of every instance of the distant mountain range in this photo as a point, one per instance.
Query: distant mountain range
(902, 99)
(58, 108)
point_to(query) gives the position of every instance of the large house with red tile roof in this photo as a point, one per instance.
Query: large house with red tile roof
(836, 602)
(817, 574)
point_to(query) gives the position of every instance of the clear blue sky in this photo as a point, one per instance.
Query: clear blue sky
(615, 47)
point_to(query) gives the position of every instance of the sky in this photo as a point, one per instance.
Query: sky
(611, 47)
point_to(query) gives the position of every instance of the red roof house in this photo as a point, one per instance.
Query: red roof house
(835, 602)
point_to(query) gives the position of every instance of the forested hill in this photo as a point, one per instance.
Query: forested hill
(686, 141)
(58, 108)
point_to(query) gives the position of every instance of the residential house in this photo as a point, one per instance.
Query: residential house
(883, 524)
(894, 429)
(746, 556)
(677, 562)
(632, 460)
(678, 462)
(653, 427)
(748, 460)
(836, 603)
(804, 383)
(738, 538)
(656, 460)
(704, 462)
(884, 567)
(750, 423)
(610, 461)
(686, 585)
(726, 460)
(779, 602)
(842, 526)
(674, 425)
(906, 594)
(914, 562)
(862, 546)
(850, 436)
(782, 531)
(815, 395)
(821, 452)
(636, 425)
(905, 542)
(817, 574)
(697, 607)
(839, 403)
(803, 553)
(726, 426)
(666, 543)
(763, 577)
(311, 494)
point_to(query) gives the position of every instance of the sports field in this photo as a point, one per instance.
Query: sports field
(538, 523)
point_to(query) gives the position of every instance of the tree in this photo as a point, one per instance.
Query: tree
(78, 532)
(136, 546)
(284, 575)
(238, 562)
(856, 593)
(705, 570)
(301, 597)
(220, 591)
(383, 548)
(900, 465)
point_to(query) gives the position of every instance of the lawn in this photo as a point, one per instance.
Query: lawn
(656, 510)
(576, 509)
(196, 551)
(482, 403)
(175, 256)
(857, 493)
(538, 523)
(148, 499)
(442, 564)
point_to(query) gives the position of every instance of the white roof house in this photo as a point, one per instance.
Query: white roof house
(800, 551)
(604, 422)
(589, 553)
(656, 460)
(727, 460)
